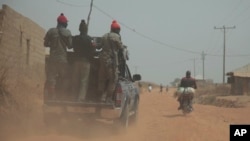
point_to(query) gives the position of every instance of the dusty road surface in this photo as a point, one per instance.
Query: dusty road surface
(159, 120)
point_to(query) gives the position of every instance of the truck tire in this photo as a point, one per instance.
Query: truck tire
(134, 117)
(124, 119)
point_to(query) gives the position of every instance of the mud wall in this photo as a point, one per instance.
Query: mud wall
(21, 50)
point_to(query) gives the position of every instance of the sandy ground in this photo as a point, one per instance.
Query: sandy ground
(159, 120)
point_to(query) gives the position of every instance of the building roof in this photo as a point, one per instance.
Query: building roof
(241, 72)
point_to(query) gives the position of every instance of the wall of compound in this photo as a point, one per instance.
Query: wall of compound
(22, 52)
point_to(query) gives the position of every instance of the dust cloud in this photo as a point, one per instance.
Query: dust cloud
(158, 120)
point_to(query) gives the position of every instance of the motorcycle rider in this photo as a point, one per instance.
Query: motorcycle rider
(186, 82)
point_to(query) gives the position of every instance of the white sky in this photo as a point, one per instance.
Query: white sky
(164, 37)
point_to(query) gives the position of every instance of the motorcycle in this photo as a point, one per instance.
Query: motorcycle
(186, 96)
(186, 103)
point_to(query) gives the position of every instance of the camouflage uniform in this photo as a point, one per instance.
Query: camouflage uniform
(108, 71)
(57, 39)
(122, 57)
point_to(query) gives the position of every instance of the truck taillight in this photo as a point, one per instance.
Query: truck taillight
(118, 96)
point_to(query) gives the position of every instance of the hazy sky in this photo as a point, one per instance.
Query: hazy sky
(164, 37)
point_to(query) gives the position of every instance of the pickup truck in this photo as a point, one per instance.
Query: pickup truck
(124, 106)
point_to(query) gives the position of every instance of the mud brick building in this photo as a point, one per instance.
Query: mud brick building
(22, 52)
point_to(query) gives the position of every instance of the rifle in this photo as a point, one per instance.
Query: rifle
(114, 55)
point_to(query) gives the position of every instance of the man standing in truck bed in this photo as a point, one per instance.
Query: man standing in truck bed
(83, 53)
(58, 39)
(108, 72)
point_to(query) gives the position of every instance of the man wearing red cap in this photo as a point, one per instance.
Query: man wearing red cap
(58, 39)
(108, 71)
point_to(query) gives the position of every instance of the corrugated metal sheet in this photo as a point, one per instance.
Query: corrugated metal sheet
(242, 74)
(243, 71)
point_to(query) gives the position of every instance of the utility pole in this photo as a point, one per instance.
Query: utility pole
(194, 67)
(224, 47)
(203, 64)
(91, 6)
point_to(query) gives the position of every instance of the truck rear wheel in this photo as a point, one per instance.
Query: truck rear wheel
(134, 116)
(124, 119)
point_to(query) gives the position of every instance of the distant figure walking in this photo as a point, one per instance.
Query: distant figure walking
(161, 87)
(167, 88)
(149, 88)
(140, 86)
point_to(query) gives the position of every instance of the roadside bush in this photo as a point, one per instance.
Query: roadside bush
(217, 89)
(219, 95)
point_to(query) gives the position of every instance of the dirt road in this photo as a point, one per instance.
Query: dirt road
(159, 120)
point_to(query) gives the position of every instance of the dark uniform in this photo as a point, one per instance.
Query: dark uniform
(83, 53)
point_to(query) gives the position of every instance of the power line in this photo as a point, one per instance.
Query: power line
(103, 12)
(211, 45)
(145, 36)
(162, 43)
(228, 55)
(236, 7)
(245, 20)
(243, 11)
(70, 4)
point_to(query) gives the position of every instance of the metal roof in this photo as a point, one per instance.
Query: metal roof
(243, 71)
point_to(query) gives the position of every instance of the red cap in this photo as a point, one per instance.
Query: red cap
(115, 25)
(62, 19)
